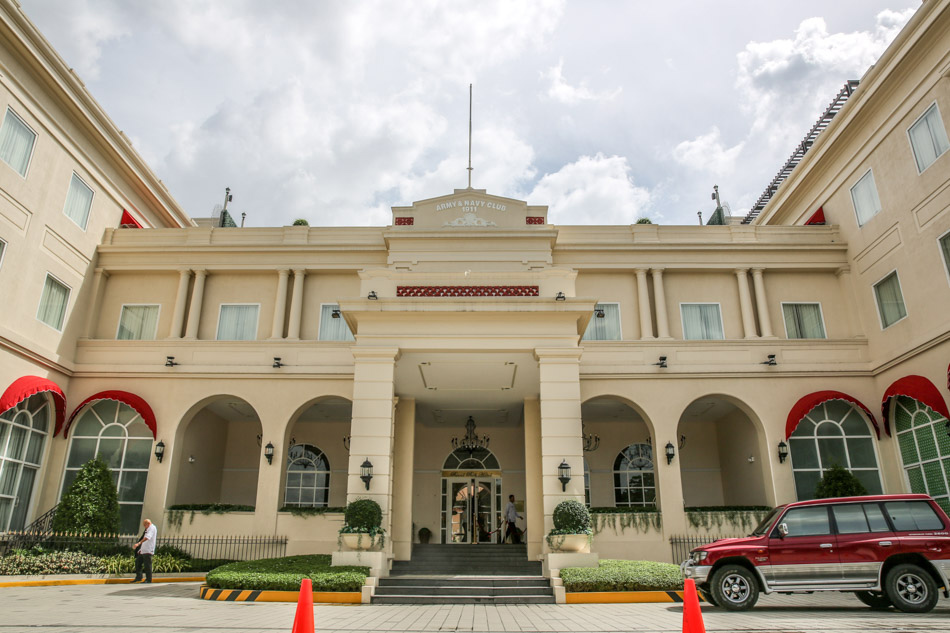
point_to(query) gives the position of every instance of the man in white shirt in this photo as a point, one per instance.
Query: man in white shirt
(511, 516)
(144, 550)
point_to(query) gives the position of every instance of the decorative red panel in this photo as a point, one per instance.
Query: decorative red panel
(405, 221)
(466, 291)
(531, 219)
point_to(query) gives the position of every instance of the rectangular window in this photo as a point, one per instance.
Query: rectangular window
(928, 138)
(333, 328)
(238, 322)
(944, 248)
(864, 197)
(605, 324)
(16, 142)
(890, 301)
(53, 303)
(701, 321)
(803, 320)
(78, 201)
(138, 323)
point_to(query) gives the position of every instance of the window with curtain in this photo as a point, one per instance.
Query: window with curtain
(928, 137)
(606, 327)
(701, 321)
(16, 142)
(115, 432)
(53, 302)
(333, 329)
(944, 248)
(78, 201)
(864, 197)
(834, 432)
(890, 301)
(308, 477)
(138, 323)
(23, 432)
(803, 320)
(238, 322)
(634, 478)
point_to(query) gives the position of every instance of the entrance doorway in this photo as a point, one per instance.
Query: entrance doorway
(472, 509)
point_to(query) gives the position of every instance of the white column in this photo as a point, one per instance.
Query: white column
(181, 302)
(280, 306)
(662, 322)
(534, 491)
(95, 303)
(194, 311)
(643, 302)
(296, 305)
(403, 461)
(745, 303)
(761, 302)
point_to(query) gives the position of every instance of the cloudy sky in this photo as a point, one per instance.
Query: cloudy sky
(333, 111)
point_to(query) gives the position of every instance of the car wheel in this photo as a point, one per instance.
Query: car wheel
(911, 589)
(734, 588)
(874, 599)
(706, 595)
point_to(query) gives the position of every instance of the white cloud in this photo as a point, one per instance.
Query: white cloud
(561, 91)
(708, 154)
(83, 36)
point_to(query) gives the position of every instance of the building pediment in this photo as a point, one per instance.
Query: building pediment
(469, 208)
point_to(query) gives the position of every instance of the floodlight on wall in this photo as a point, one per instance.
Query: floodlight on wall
(770, 361)
(160, 451)
(560, 297)
(662, 363)
(564, 474)
(366, 472)
(170, 361)
(670, 453)
(269, 453)
(599, 313)
(277, 363)
(335, 313)
(372, 295)
(782, 452)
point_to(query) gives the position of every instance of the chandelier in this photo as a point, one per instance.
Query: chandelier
(591, 440)
(471, 442)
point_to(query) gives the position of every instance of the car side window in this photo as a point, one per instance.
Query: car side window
(875, 516)
(859, 518)
(807, 521)
(912, 515)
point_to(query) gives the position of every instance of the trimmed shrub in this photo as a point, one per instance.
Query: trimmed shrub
(363, 515)
(91, 505)
(623, 575)
(571, 517)
(285, 574)
(26, 564)
(839, 482)
(301, 222)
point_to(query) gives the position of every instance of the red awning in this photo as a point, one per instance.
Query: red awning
(812, 400)
(128, 221)
(124, 397)
(26, 386)
(918, 388)
(818, 217)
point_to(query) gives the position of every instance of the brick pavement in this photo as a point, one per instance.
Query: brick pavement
(176, 609)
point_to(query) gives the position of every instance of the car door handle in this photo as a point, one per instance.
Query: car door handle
(884, 543)
(826, 545)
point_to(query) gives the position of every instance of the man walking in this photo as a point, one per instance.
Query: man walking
(512, 516)
(144, 550)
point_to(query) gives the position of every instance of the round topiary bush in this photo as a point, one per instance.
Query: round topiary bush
(571, 517)
(363, 515)
(837, 481)
(91, 504)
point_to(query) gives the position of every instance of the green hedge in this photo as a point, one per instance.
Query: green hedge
(285, 574)
(29, 563)
(623, 575)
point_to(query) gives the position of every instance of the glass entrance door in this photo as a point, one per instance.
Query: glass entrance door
(471, 512)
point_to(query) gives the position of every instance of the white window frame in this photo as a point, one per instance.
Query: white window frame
(29, 161)
(877, 304)
(944, 258)
(619, 320)
(257, 325)
(910, 139)
(91, 200)
(332, 303)
(69, 294)
(821, 313)
(722, 324)
(877, 194)
(118, 326)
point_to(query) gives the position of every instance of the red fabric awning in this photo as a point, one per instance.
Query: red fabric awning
(26, 386)
(918, 388)
(818, 217)
(812, 400)
(125, 397)
(128, 221)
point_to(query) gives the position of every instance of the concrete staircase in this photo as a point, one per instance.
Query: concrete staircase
(465, 574)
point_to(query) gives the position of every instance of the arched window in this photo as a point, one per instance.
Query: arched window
(834, 432)
(115, 432)
(23, 431)
(925, 449)
(308, 477)
(479, 459)
(634, 479)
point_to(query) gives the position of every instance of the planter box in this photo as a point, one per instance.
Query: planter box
(570, 543)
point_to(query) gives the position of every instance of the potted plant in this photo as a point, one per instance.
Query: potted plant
(572, 531)
(362, 521)
(424, 535)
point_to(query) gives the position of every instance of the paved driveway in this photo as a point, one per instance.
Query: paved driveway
(170, 608)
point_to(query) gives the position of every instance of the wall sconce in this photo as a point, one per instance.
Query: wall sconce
(335, 313)
(170, 361)
(564, 474)
(293, 442)
(259, 438)
(372, 295)
(662, 363)
(599, 313)
(269, 453)
(346, 443)
(277, 363)
(782, 452)
(682, 441)
(366, 472)
(670, 453)
(159, 451)
(771, 361)
(560, 297)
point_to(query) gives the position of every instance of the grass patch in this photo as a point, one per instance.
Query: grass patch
(623, 575)
(285, 574)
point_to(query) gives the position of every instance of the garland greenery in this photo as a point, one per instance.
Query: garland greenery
(298, 511)
(176, 513)
(640, 518)
(739, 517)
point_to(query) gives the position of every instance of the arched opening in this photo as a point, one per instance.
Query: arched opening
(620, 468)
(924, 448)
(471, 497)
(316, 464)
(23, 431)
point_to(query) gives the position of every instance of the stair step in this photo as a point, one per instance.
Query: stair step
(403, 599)
(443, 581)
(463, 591)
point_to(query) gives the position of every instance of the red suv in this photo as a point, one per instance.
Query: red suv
(887, 549)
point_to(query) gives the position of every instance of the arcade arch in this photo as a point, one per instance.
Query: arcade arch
(323, 426)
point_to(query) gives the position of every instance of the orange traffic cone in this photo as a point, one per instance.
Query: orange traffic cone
(303, 620)
(692, 614)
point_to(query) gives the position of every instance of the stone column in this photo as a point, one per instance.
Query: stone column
(762, 304)
(745, 303)
(662, 322)
(643, 302)
(403, 462)
(280, 306)
(95, 303)
(534, 494)
(194, 312)
(181, 302)
(296, 305)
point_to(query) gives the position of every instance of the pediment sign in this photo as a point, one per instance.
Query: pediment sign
(469, 208)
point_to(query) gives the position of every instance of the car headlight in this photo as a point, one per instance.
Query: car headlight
(699, 557)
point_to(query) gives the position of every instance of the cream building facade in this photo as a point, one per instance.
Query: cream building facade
(712, 369)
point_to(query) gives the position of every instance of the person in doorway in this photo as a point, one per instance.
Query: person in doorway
(512, 516)
(144, 550)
